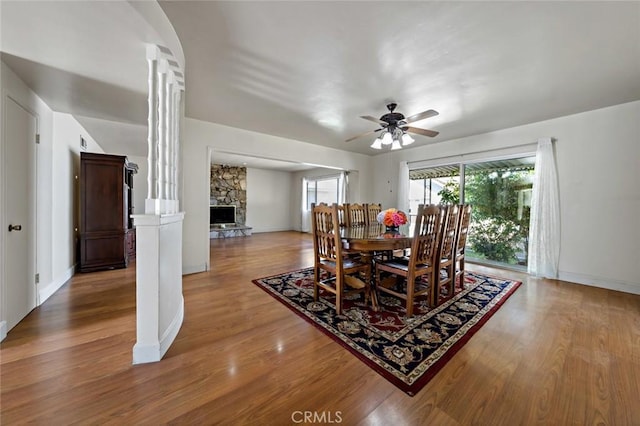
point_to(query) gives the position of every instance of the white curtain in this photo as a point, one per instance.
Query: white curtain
(403, 188)
(306, 214)
(544, 229)
(343, 193)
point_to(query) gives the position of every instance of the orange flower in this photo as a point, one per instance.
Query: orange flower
(392, 217)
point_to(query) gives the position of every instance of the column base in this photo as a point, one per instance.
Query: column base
(160, 206)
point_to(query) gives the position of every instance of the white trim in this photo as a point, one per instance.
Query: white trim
(3, 192)
(268, 229)
(194, 269)
(145, 354)
(155, 352)
(172, 331)
(590, 280)
(46, 292)
(157, 219)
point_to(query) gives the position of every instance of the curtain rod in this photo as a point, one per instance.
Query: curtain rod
(475, 152)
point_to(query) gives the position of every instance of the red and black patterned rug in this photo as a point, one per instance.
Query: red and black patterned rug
(407, 352)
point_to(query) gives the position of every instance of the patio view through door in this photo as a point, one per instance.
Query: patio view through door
(500, 192)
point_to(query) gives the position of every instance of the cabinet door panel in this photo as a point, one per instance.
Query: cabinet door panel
(103, 199)
(103, 252)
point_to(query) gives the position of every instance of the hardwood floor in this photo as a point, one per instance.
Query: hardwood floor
(555, 354)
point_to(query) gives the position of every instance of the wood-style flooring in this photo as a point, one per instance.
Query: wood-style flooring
(555, 353)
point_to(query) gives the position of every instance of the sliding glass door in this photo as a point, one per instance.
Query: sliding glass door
(500, 192)
(324, 190)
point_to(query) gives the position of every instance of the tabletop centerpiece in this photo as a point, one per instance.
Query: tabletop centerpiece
(392, 219)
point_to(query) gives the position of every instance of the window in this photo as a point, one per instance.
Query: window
(431, 191)
(322, 190)
(500, 192)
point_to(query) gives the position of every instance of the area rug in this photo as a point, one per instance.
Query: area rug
(406, 351)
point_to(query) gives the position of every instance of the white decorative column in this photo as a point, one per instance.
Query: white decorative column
(152, 133)
(159, 300)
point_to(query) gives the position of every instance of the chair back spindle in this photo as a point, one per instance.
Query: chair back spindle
(446, 250)
(357, 214)
(372, 211)
(324, 238)
(464, 220)
(342, 215)
(426, 234)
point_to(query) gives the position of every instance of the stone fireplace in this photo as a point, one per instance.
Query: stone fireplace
(229, 187)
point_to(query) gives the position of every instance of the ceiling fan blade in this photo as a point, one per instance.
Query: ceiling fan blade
(370, 118)
(363, 134)
(420, 116)
(424, 132)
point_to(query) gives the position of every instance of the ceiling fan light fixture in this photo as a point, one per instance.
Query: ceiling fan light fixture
(377, 144)
(407, 139)
(387, 139)
(394, 127)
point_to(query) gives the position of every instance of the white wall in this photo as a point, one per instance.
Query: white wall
(199, 137)
(597, 154)
(65, 214)
(268, 200)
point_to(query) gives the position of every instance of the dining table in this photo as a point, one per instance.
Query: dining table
(373, 239)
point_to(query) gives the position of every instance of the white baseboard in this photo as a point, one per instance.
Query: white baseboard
(154, 353)
(194, 269)
(590, 280)
(3, 330)
(45, 292)
(277, 229)
(171, 332)
(145, 354)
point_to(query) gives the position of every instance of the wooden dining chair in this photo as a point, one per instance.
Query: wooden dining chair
(464, 220)
(407, 275)
(446, 252)
(372, 213)
(357, 215)
(342, 272)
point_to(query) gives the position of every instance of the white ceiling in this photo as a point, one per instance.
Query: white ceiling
(308, 70)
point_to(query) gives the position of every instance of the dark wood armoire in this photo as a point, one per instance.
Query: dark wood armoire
(107, 236)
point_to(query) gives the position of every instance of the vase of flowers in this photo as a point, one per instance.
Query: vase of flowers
(392, 219)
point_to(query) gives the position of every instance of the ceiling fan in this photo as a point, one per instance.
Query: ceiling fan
(395, 127)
